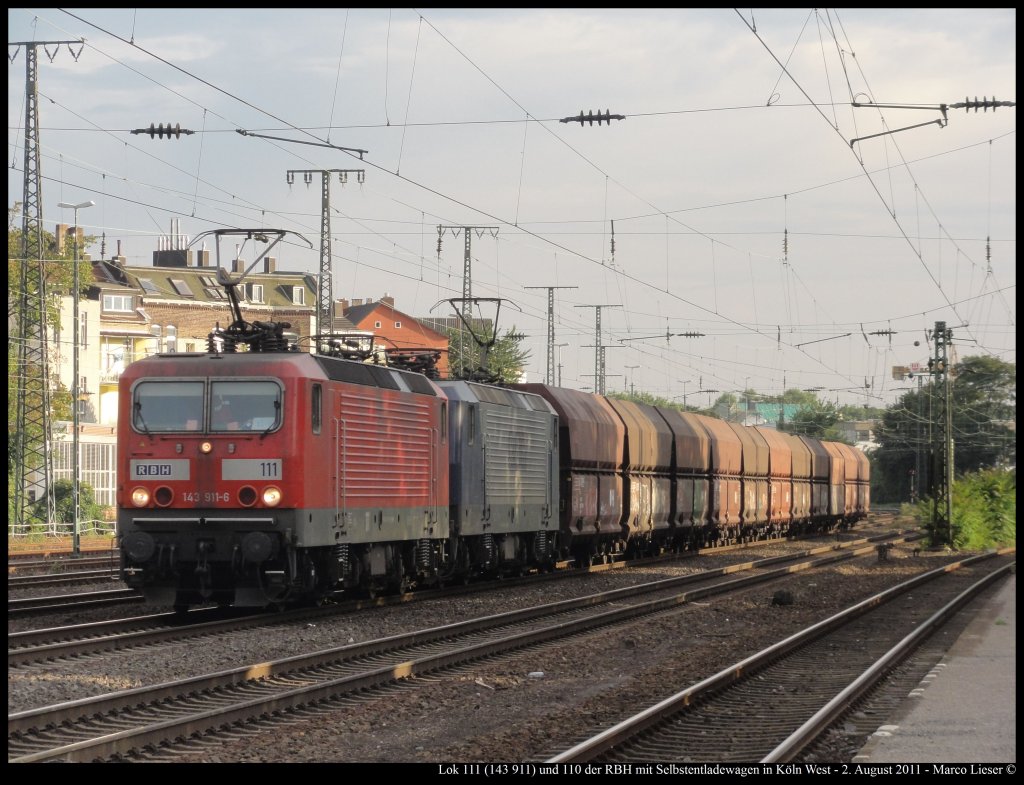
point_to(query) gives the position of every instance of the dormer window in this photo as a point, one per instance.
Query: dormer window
(181, 287)
(118, 303)
(298, 295)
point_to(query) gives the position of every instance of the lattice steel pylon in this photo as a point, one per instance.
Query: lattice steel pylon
(550, 375)
(29, 436)
(467, 258)
(325, 292)
(599, 365)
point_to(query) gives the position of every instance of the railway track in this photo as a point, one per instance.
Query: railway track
(20, 607)
(21, 566)
(69, 603)
(107, 574)
(114, 725)
(76, 640)
(774, 704)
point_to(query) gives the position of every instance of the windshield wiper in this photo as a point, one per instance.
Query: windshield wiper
(277, 411)
(142, 422)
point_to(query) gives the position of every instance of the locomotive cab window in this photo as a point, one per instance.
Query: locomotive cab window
(245, 406)
(167, 406)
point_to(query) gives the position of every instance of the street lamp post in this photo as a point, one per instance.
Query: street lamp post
(685, 382)
(559, 346)
(631, 368)
(76, 479)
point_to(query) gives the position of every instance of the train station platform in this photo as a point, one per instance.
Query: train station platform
(965, 709)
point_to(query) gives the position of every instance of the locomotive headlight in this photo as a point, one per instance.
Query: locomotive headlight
(140, 497)
(206, 448)
(271, 496)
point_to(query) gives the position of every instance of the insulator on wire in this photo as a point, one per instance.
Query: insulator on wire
(159, 130)
(589, 118)
(983, 104)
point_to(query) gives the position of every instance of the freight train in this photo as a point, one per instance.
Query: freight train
(273, 476)
(254, 478)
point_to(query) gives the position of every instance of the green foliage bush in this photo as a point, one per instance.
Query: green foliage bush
(64, 504)
(984, 511)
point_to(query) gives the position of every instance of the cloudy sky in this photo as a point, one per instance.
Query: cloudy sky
(743, 197)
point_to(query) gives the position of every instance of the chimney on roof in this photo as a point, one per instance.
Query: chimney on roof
(387, 299)
(270, 264)
(170, 257)
(202, 258)
(342, 306)
(238, 266)
(356, 301)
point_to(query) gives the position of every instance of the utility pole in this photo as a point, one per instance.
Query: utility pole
(559, 347)
(919, 478)
(325, 292)
(942, 511)
(31, 435)
(550, 376)
(603, 350)
(76, 394)
(599, 374)
(467, 276)
(685, 382)
(632, 388)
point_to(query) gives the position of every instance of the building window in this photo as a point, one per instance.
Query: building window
(117, 357)
(83, 334)
(118, 303)
(171, 339)
(398, 325)
(376, 325)
(181, 287)
(255, 292)
(298, 295)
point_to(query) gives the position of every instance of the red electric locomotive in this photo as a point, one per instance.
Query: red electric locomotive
(253, 478)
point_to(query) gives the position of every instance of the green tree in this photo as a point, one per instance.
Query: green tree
(983, 393)
(817, 419)
(505, 361)
(725, 405)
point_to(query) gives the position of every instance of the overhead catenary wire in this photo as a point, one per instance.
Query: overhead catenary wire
(773, 336)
